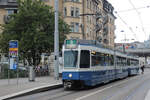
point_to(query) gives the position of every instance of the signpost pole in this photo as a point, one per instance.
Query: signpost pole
(13, 57)
(17, 65)
(8, 68)
(17, 73)
(8, 77)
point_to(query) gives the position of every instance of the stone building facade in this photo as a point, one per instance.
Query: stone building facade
(77, 14)
(7, 7)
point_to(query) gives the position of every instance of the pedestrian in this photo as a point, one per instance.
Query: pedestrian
(142, 68)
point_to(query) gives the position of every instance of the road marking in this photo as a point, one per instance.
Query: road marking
(93, 93)
(148, 96)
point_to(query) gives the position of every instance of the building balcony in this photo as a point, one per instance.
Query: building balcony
(106, 41)
(8, 3)
(105, 31)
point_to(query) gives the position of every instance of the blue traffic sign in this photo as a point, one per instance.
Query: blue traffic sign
(14, 66)
(13, 44)
(13, 54)
(13, 63)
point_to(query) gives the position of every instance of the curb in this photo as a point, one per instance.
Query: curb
(32, 91)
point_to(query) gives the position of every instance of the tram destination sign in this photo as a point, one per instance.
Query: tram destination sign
(71, 44)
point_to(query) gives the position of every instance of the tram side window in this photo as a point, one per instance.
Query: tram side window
(128, 62)
(85, 59)
(132, 62)
(118, 59)
(137, 62)
(121, 61)
(124, 62)
(111, 60)
(100, 59)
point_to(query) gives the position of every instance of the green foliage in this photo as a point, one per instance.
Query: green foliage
(33, 27)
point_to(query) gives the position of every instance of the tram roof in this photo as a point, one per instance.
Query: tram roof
(99, 45)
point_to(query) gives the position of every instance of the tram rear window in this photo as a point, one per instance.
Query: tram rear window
(85, 59)
(70, 59)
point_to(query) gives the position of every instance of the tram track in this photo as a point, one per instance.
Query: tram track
(124, 91)
(131, 93)
(138, 88)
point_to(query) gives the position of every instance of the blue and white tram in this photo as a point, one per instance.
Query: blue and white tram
(133, 65)
(87, 64)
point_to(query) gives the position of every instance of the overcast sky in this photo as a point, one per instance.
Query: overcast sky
(132, 25)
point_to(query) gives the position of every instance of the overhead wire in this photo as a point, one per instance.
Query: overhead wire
(127, 10)
(130, 28)
(139, 17)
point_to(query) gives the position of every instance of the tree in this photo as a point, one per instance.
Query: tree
(33, 27)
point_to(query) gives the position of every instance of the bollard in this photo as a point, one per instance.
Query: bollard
(31, 74)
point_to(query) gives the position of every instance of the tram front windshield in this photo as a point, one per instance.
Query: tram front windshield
(70, 59)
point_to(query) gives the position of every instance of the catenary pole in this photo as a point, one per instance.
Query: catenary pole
(56, 44)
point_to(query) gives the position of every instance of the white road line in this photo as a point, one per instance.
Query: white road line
(148, 96)
(93, 93)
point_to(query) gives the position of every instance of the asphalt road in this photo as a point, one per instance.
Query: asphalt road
(131, 88)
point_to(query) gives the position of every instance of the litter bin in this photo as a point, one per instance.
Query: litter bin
(31, 74)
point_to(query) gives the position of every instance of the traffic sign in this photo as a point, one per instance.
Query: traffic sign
(13, 63)
(13, 54)
(13, 44)
(13, 48)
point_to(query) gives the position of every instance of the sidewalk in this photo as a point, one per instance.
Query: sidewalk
(11, 88)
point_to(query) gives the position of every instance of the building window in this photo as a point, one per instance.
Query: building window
(90, 4)
(11, 11)
(88, 19)
(74, 27)
(74, 12)
(87, 30)
(65, 11)
(77, 12)
(74, 0)
(87, 3)
(71, 0)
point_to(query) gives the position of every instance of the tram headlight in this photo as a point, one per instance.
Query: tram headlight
(70, 75)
